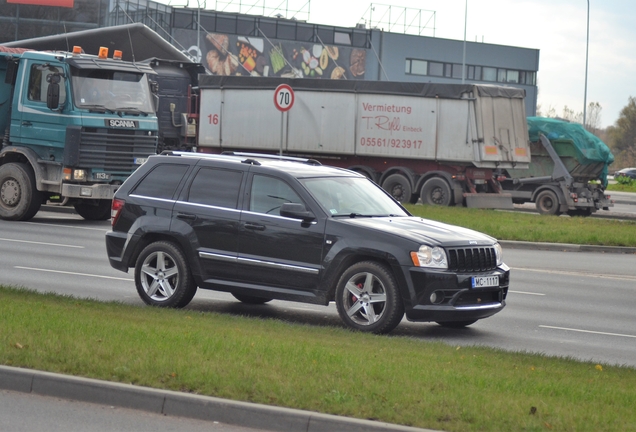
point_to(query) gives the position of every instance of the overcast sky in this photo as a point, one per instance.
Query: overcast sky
(556, 27)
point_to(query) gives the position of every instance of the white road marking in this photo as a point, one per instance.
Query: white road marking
(73, 273)
(573, 273)
(41, 243)
(588, 331)
(526, 293)
(68, 226)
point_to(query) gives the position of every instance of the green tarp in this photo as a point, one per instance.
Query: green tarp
(589, 148)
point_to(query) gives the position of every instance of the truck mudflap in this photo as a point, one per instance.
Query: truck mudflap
(96, 191)
(489, 200)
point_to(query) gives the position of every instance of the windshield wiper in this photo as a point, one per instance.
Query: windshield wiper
(130, 110)
(352, 215)
(98, 108)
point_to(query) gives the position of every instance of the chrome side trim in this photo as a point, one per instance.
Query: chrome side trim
(208, 206)
(277, 265)
(219, 257)
(153, 198)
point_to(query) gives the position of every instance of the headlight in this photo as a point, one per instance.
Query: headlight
(79, 174)
(499, 254)
(428, 256)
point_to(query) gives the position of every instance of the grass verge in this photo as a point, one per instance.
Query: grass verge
(331, 370)
(534, 227)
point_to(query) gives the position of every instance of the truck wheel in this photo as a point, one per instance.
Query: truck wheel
(248, 299)
(367, 298)
(547, 203)
(93, 209)
(163, 277)
(19, 198)
(436, 192)
(399, 187)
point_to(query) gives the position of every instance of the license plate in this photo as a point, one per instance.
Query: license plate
(485, 281)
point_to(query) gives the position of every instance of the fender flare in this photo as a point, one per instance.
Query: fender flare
(19, 154)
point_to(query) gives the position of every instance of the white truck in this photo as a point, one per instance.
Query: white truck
(444, 143)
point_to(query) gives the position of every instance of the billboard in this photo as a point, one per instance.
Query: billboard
(227, 54)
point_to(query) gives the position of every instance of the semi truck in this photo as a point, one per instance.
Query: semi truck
(74, 126)
(446, 144)
(568, 172)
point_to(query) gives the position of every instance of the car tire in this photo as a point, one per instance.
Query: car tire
(436, 191)
(248, 299)
(93, 209)
(456, 324)
(547, 203)
(19, 198)
(367, 298)
(399, 187)
(163, 277)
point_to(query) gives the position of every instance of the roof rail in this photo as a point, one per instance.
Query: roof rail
(272, 157)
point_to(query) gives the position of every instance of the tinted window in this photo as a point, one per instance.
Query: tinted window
(269, 193)
(161, 182)
(216, 187)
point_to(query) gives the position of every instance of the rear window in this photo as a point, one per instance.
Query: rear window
(161, 182)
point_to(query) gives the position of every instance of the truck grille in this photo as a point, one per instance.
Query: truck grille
(114, 150)
(464, 260)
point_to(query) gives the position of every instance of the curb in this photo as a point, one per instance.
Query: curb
(171, 403)
(566, 247)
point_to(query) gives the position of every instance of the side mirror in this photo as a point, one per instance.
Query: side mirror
(296, 211)
(53, 96)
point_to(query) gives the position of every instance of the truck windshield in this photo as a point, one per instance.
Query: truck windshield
(111, 90)
(352, 197)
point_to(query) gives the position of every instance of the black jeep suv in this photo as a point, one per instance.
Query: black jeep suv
(264, 227)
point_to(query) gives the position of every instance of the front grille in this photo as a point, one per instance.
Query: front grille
(114, 150)
(467, 260)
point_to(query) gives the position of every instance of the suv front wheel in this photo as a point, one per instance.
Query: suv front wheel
(367, 298)
(162, 276)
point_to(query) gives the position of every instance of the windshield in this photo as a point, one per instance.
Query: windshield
(111, 90)
(352, 197)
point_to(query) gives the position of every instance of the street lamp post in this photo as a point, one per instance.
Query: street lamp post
(587, 48)
(464, 55)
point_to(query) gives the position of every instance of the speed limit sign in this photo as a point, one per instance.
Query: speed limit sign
(283, 97)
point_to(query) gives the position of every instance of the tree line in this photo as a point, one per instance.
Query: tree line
(620, 137)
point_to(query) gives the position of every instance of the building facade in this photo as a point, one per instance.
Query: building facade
(241, 44)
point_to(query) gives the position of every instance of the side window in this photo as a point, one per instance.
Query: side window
(161, 182)
(269, 193)
(38, 86)
(216, 187)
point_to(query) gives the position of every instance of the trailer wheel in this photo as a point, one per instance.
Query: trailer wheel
(19, 198)
(436, 192)
(93, 209)
(547, 203)
(399, 187)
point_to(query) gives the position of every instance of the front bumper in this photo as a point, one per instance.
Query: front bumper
(456, 299)
(94, 191)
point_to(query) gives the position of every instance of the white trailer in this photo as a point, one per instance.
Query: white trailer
(443, 143)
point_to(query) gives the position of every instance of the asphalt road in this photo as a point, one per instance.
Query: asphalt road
(571, 304)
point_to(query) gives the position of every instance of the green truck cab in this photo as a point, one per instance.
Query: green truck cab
(74, 127)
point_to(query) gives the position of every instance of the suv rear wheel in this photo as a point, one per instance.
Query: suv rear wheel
(162, 276)
(367, 298)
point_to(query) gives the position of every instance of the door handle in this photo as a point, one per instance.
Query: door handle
(253, 226)
(27, 123)
(186, 216)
